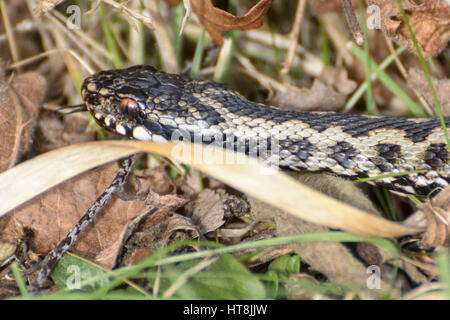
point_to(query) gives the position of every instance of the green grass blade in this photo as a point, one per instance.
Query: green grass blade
(390, 84)
(109, 38)
(427, 73)
(19, 279)
(197, 61)
(373, 76)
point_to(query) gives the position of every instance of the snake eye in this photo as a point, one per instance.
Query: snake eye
(129, 107)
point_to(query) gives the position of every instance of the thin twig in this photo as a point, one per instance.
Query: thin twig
(353, 23)
(9, 32)
(293, 37)
(55, 254)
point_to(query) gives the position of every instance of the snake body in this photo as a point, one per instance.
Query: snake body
(143, 103)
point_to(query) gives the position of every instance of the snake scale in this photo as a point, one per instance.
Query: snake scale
(143, 103)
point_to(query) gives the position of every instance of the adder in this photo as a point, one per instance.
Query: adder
(143, 103)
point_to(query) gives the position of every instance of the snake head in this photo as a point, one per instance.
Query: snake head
(121, 100)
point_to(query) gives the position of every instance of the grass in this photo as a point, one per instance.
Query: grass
(228, 273)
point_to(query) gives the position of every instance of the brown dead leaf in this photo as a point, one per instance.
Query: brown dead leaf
(52, 215)
(208, 209)
(418, 81)
(158, 180)
(429, 20)
(216, 20)
(156, 224)
(57, 133)
(157, 231)
(190, 184)
(139, 255)
(319, 97)
(437, 214)
(324, 6)
(19, 105)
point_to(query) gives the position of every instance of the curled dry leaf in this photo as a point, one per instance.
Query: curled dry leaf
(429, 20)
(216, 20)
(19, 105)
(146, 231)
(190, 184)
(157, 231)
(418, 81)
(157, 228)
(437, 214)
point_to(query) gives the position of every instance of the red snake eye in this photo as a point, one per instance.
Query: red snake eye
(129, 106)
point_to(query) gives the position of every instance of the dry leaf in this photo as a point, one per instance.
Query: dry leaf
(437, 214)
(157, 231)
(109, 256)
(149, 232)
(158, 180)
(52, 215)
(429, 20)
(19, 104)
(216, 20)
(208, 209)
(418, 81)
(318, 98)
(57, 133)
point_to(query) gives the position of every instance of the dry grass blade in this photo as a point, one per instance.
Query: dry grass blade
(45, 6)
(33, 177)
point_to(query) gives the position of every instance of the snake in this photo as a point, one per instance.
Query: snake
(407, 155)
